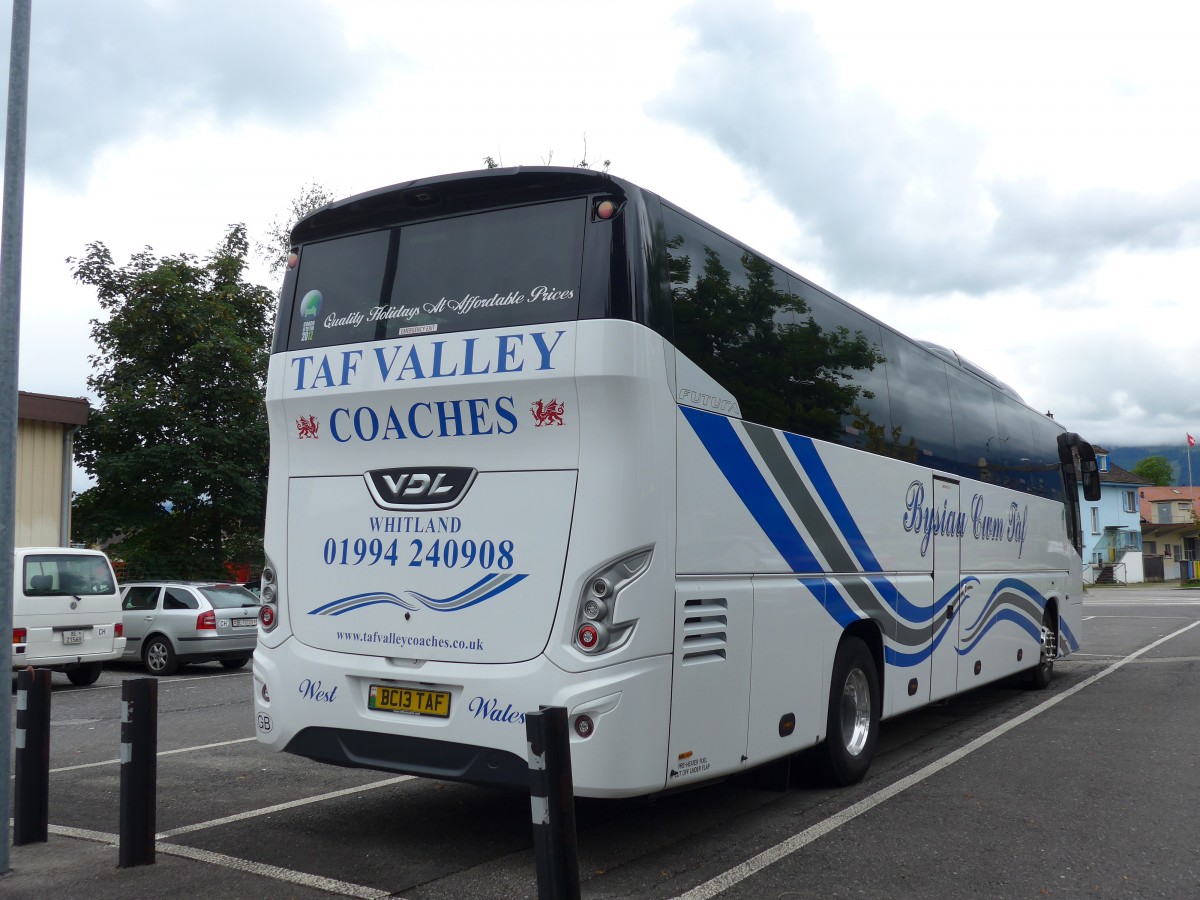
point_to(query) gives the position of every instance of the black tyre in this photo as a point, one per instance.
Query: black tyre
(85, 673)
(1040, 676)
(235, 663)
(158, 656)
(852, 729)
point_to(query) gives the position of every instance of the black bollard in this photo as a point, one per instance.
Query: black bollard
(31, 795)
(139, 780)
(552, 799)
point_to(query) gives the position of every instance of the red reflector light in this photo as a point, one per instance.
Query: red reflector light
(206, 621)
(266, 617)
(119, 630)
(584, 726)
(18, 635)
(588, 636)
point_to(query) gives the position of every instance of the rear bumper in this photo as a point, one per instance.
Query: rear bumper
(216, 646)
(42, 658)
(411, 756)
(315, 705)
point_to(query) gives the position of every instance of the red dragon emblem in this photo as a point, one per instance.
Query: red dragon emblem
(547, 413)
(307, 428)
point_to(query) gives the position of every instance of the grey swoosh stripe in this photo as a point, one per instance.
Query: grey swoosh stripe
(485, 588)
(767, 442)
(1006, 598)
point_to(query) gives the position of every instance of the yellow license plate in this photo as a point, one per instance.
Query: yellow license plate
(413, 701)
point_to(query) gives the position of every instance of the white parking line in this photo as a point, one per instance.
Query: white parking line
(303, 879)
(254, 813)
(798, 841)
(114, 761)
(164, 682)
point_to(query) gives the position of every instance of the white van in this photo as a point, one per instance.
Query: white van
(66, 612)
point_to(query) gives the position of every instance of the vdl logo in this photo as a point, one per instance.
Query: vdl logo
(426, 489)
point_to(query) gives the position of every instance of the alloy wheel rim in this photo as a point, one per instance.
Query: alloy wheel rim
(856, 712)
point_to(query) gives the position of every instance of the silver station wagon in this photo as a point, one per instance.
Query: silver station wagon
(172, 623)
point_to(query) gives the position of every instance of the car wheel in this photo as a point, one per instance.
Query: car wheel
(854, 708)
(158, 656)
(235, 663)
(85, 674)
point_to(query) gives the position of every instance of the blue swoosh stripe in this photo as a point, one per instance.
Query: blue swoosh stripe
(717, 435)
(822, 481)
(447, 604)
(814, 467)
(1064, 631)
(449, 600)
(1007, 614)
(370, 598)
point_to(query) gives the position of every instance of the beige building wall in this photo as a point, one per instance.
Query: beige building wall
(39, 484)
(45, 429)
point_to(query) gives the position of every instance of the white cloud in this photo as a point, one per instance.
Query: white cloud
(900, 204)
(104, 73)
(1014, 180)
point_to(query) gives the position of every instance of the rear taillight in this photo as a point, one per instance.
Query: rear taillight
(596, 630)
(119, 630)
(206, 621)
(19, 635)
(267, 619)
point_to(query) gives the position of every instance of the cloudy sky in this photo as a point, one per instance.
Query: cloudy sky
(1017, 180)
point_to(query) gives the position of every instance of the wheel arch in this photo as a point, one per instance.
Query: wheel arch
(870, 633)
(156, 634)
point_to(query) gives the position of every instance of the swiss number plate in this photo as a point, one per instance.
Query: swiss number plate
(72, 637)
(412, 701)
(242, 623)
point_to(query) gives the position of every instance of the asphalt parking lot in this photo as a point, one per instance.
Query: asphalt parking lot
(1087, 789)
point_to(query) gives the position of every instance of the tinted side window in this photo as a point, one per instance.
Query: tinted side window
(920, 398)
(1018, 456)
(740, 319)
(853, 379)
(975, 432)
(1048, 478)
(141, 597)
(177, 598)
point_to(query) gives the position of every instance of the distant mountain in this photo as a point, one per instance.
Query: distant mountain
(1128, 457)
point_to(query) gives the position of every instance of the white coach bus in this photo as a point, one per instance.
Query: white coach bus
(539, 437)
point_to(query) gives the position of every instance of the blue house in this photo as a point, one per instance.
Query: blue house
(1112, 529)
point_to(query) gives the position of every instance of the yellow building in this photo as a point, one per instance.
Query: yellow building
(45, 437)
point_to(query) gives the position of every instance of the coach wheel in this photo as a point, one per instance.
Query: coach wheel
(852, 728)
(1043, 673)
(84, 674)
(158, 656)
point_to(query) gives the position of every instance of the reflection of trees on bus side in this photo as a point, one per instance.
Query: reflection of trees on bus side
(877, 438)
(761, 343)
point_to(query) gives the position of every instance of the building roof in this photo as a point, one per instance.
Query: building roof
(1148, 496)
(49, 408)
(1179, 492)
(1117, 475)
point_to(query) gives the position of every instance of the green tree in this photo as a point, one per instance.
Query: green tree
(178, 446)
(1155, 469)
(274, 251)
